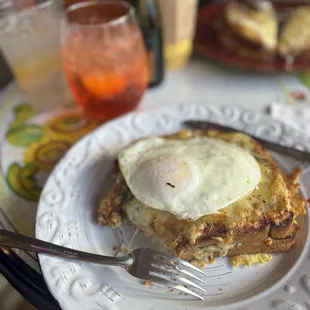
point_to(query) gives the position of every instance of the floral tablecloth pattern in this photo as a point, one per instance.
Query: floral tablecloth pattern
(31, 145)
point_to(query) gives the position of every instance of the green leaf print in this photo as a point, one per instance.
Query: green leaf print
(22, 113)
(22, 181)
(24, 134)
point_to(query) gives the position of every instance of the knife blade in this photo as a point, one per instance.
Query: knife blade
(285, 150)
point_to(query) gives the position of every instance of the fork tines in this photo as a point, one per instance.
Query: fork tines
(169, 271)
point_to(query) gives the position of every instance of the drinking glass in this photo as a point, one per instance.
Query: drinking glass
(30, 42)
(104, 57)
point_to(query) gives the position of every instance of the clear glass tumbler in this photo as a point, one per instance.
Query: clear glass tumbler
(104, 57)
(30, 42)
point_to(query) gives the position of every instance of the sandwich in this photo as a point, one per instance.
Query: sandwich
(248, 32)
(204, 194)
(294, 39)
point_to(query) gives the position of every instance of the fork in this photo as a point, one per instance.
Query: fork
(144, 263)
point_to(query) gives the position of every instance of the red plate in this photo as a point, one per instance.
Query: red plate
(207, 44)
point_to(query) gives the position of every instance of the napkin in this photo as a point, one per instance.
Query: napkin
(297, 116)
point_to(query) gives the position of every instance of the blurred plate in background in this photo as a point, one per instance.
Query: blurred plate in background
(206, 42)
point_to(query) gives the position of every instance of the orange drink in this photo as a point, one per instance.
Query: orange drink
(104, 57)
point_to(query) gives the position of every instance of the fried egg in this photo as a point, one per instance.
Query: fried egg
(188, 178)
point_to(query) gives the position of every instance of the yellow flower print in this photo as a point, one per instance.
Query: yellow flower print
(73, 125)
(47, 152)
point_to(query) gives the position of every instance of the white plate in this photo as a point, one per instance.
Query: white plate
(67, 211)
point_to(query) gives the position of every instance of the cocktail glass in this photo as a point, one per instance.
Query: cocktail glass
(104, 57)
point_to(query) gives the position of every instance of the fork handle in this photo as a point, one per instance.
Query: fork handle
(25, 243)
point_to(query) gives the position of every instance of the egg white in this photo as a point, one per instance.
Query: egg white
(188, 178)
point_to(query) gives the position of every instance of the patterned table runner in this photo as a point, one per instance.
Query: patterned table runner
(31, 145)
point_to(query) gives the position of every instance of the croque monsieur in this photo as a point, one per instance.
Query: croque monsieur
(295, 36)
(248, 32)
(205, 194)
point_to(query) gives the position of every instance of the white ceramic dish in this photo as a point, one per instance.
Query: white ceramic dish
(66, 216)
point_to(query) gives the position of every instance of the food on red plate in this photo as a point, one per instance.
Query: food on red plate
(261, 34)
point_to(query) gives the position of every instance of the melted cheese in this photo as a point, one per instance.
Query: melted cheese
(250, 259)
(203, 254)
(124, 250)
